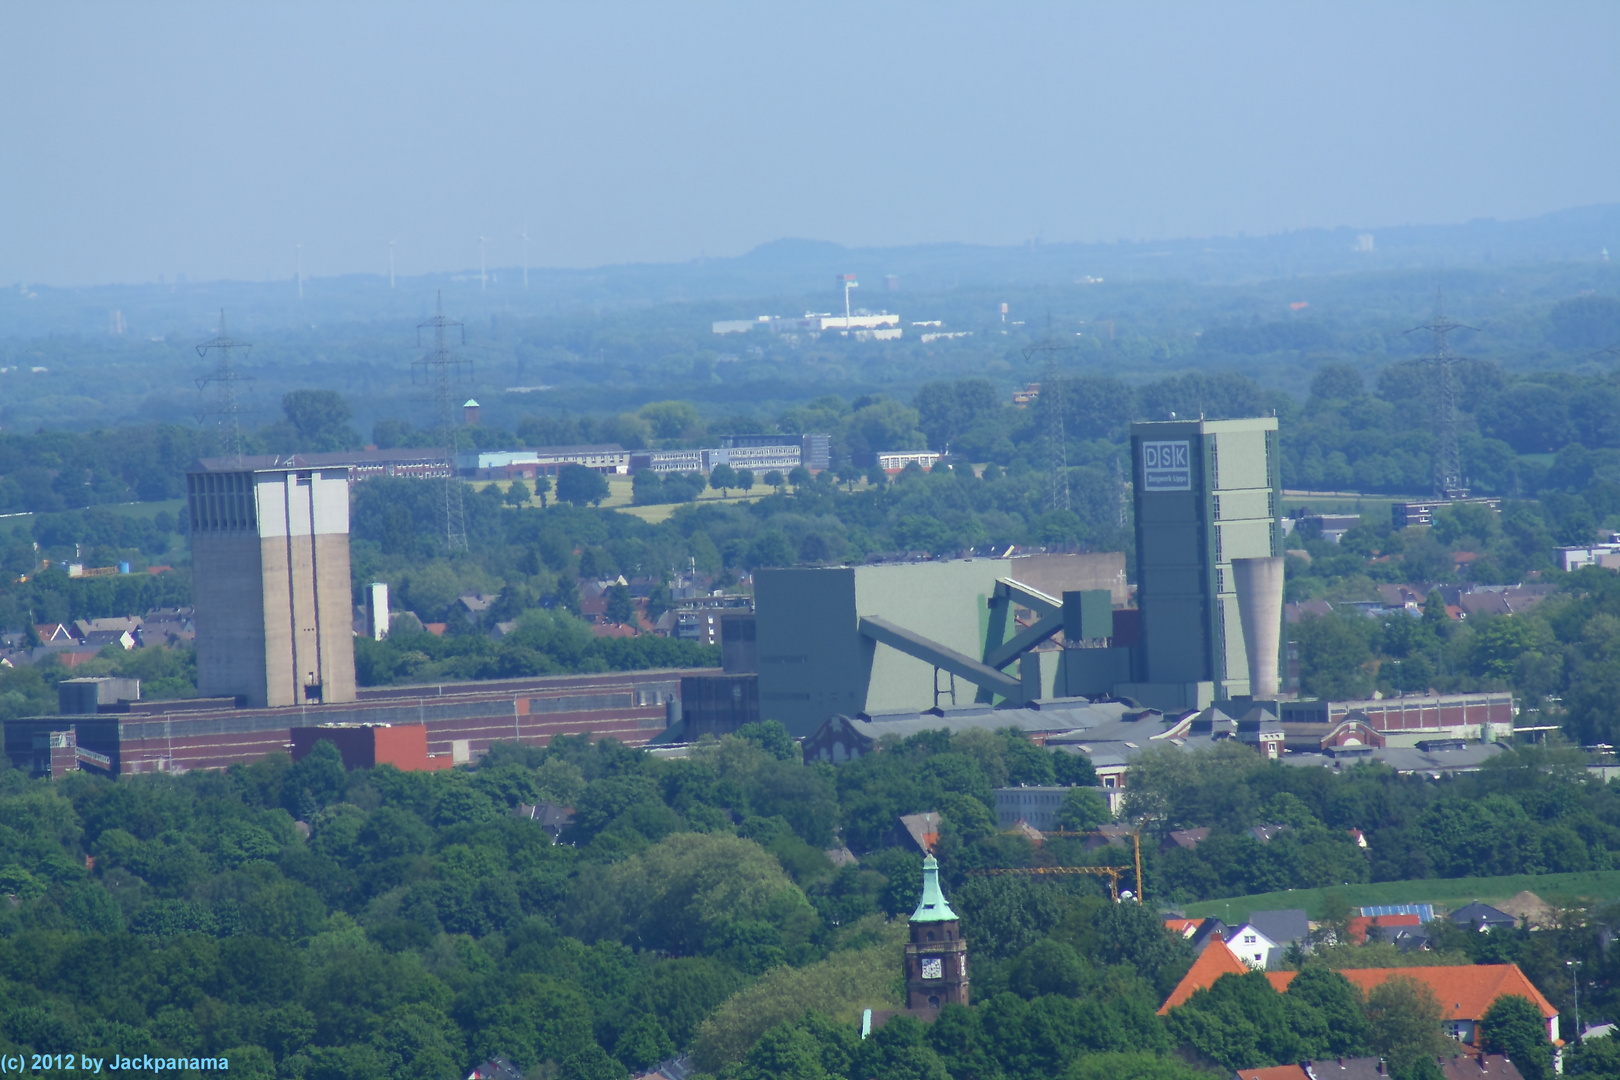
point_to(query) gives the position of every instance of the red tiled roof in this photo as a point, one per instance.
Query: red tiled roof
(1276, 1072)
(1361, 924)
(1465, 992)
(1182, 927)
(1216, 960)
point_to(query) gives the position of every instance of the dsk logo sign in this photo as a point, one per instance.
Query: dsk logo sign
(1166, 466)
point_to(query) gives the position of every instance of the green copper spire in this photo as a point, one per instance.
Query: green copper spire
(932, 907)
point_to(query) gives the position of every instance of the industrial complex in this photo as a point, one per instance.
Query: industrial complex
(275, 656)
(1058, 645)
(1206, 626)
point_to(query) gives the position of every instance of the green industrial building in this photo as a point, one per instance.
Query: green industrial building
(876, 639)
(887, 639)
(1207, 492)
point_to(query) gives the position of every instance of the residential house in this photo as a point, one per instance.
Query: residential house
(548, 815)
(1424, 912)
(1502, 599)
(1253, 946)
(1466, 992)
(1112, 834)
(921, 830)
(100, 639)
(85, 627)
(1216, 960)
(1186, 839)
(1208, 932)
(169, 627)
(1379, 927)
(1290, 926)
(1478, 1067)
(1478, 916)
(1460, 1067)
(676, 1068)
(496, 1068)
(1366, 1068)
(841, 856)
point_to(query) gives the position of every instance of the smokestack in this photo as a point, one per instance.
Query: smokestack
(1259, 585)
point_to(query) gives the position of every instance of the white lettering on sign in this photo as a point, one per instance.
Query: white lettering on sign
(1167, 466)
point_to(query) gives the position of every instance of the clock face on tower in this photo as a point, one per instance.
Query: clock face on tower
(933, 967)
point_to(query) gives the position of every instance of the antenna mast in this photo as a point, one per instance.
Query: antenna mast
(1441, 361)
(224, 378)
(1050, 403)
(439, 372)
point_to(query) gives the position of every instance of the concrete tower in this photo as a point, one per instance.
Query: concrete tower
(270, 561)
(1259, 587)
(1207, 492)
(936, 955)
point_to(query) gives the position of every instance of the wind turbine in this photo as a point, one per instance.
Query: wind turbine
(524, 236)
(483, 277)
(391, 244)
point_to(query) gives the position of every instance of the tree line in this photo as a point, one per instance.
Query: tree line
(305, 921)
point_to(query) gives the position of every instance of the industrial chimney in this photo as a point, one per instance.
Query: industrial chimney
(1259, 586)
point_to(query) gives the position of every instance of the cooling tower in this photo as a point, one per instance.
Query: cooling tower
(1259, 586)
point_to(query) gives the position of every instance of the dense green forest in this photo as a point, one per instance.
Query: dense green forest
(420, 927)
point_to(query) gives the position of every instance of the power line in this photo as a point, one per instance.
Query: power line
(226, 409)
(439, 373)
(1050, 404)
(1442, 362)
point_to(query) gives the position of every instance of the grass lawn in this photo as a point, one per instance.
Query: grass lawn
(1448, 892)
(1372, 507)
(132, 509)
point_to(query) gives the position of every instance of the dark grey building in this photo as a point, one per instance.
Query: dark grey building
(1206, 492)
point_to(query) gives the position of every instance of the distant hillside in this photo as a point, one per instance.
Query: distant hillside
(806, 267)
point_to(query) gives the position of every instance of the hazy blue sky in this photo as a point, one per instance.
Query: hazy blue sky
(142, 139)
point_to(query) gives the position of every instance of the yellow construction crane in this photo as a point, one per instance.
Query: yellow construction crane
(1112, 873)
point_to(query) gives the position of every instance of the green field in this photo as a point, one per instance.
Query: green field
(1370, 507)
(1448, 892)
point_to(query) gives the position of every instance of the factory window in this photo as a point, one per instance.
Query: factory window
(1217, 508)
(1220, 580)
(1218, 544)
(1214, 463)
(1271, 503)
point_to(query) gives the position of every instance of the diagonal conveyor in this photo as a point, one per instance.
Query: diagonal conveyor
(946, 659)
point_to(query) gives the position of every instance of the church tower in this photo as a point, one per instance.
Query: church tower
(936, 956)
